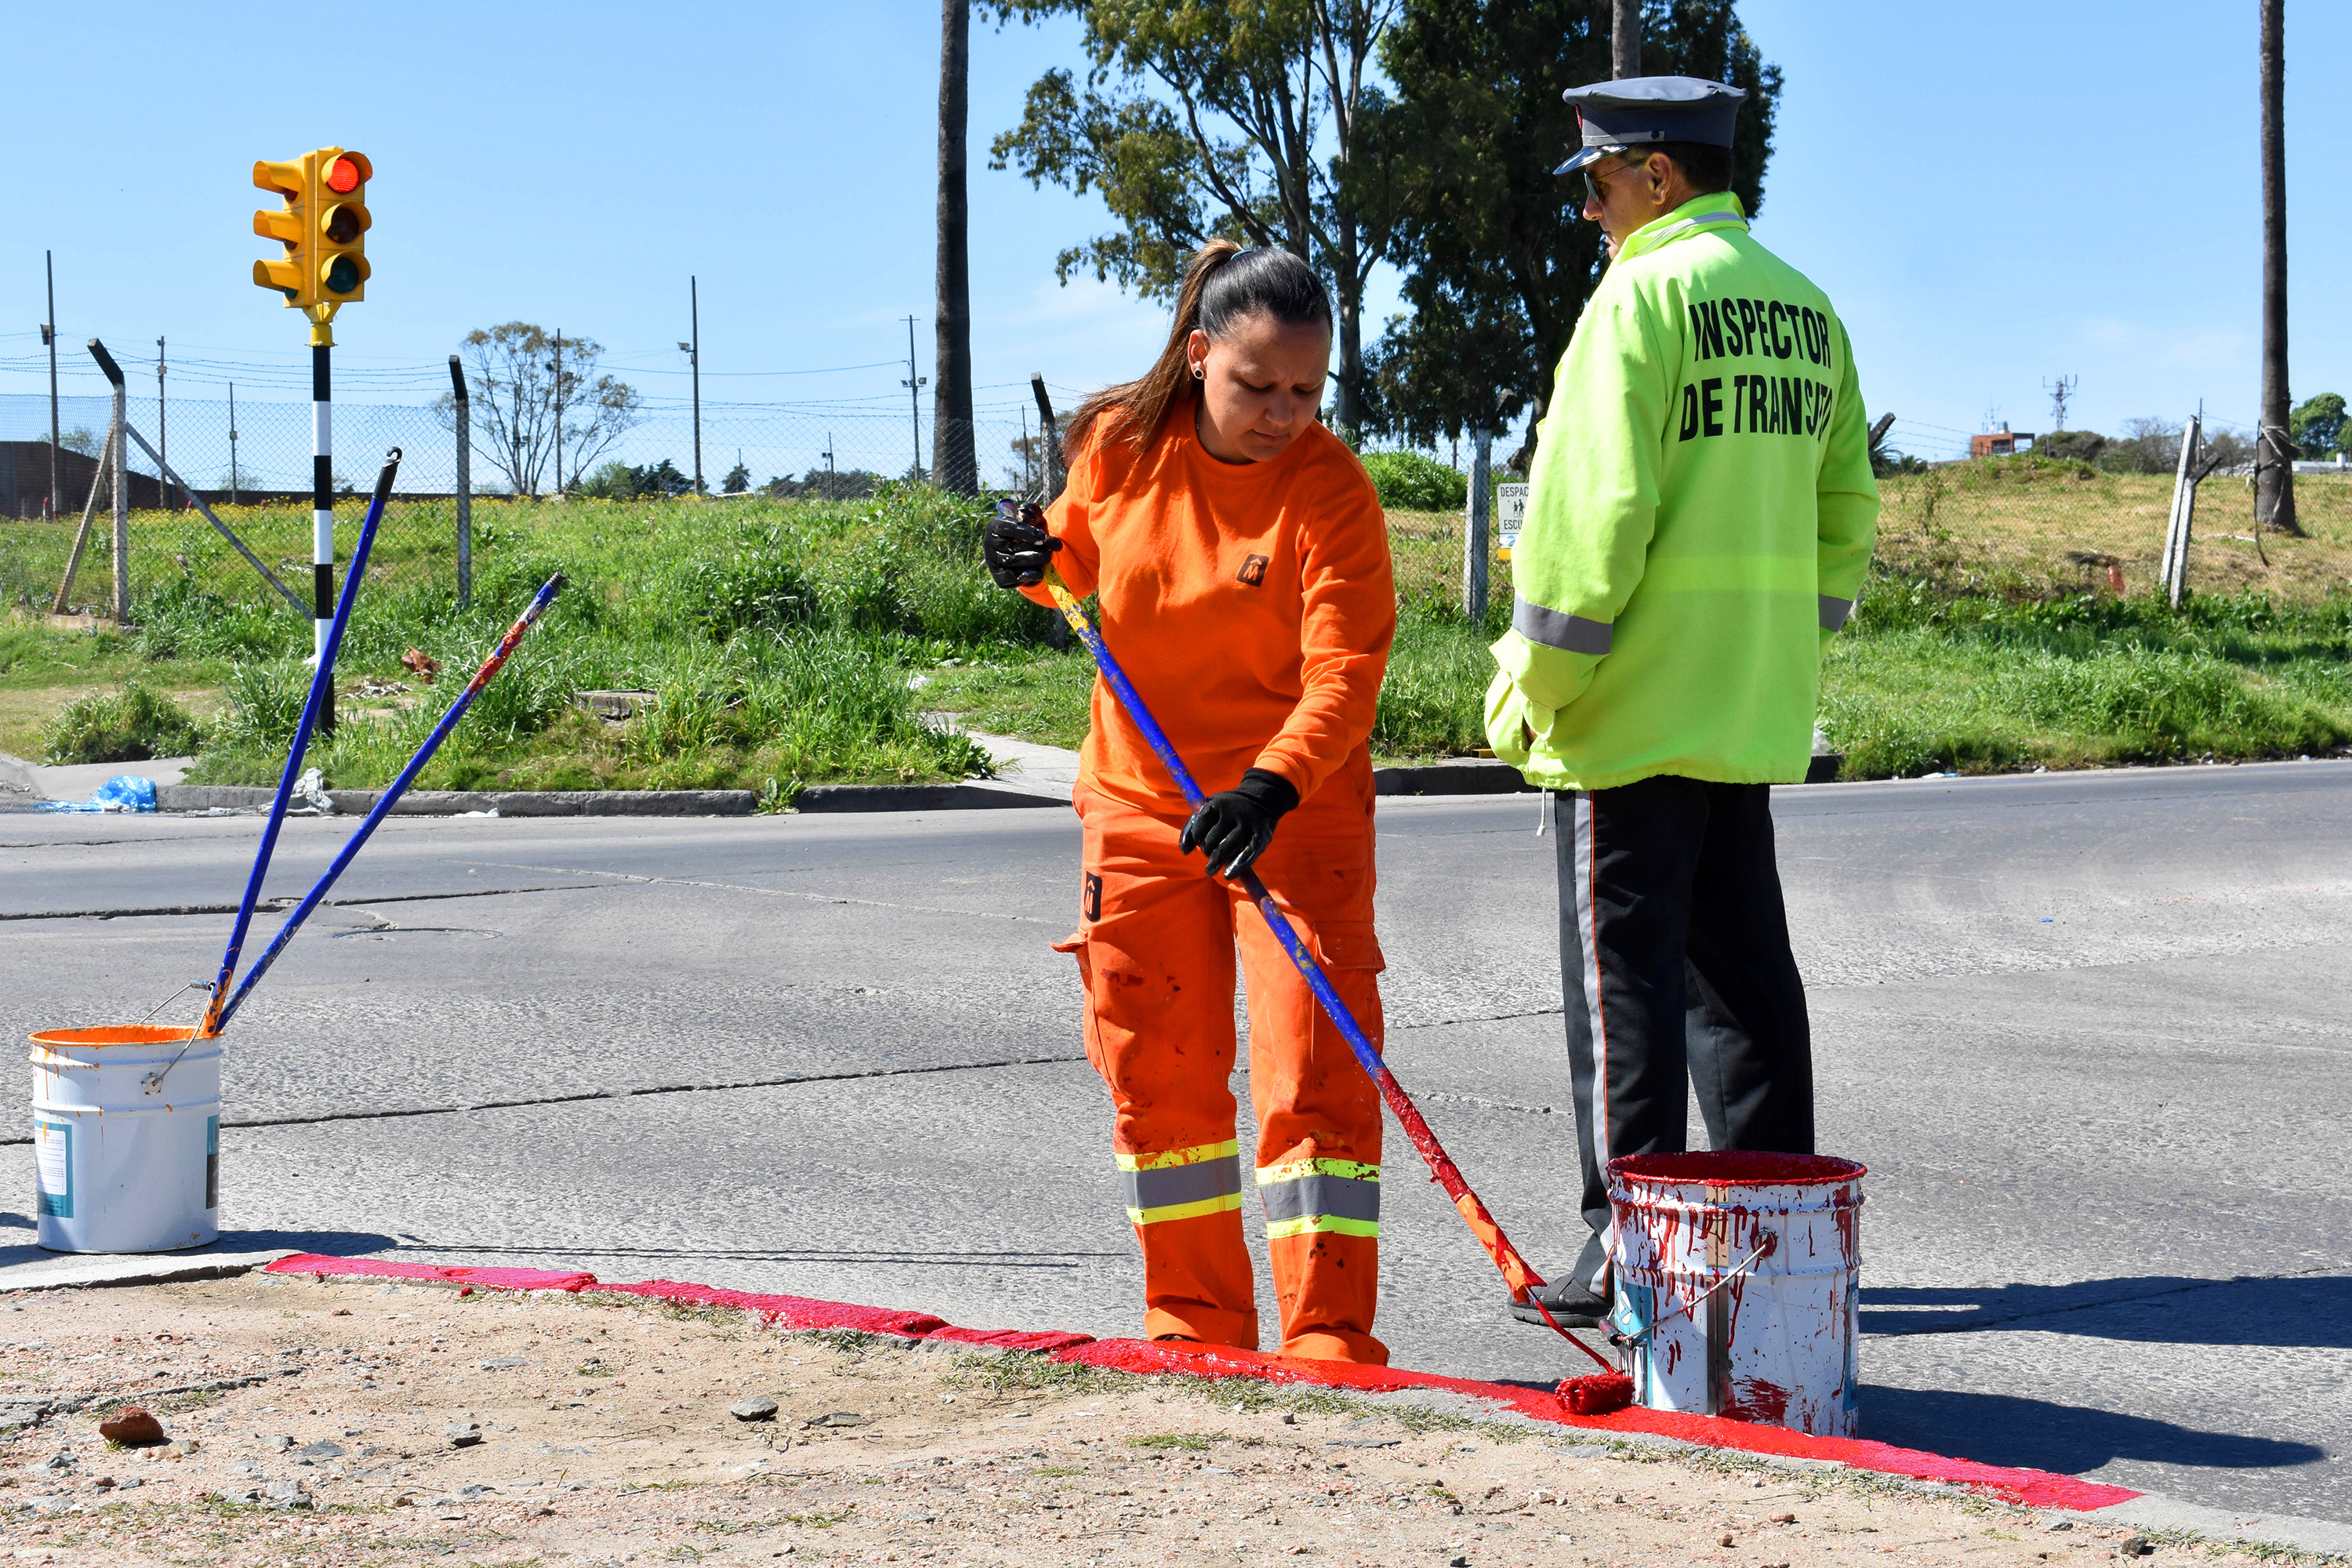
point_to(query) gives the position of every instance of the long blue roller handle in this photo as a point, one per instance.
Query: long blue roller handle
(322, 681)
(1522, 1278)
(398, 787)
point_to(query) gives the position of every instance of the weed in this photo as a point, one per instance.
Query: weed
(1191, 1442)
(1021, 1372)
(129, 724)
(1057, 1470)
(822, 1521)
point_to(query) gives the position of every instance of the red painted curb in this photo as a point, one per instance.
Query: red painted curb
(2035, 1489)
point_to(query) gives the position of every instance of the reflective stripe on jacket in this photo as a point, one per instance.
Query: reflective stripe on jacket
(1698, 522)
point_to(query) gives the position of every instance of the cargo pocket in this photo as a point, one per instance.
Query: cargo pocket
(1124, 992)
(1349, 944)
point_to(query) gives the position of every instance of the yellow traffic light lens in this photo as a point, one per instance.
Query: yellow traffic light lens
(344, 175)
(343, 225)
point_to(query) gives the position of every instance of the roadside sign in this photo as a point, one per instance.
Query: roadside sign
(1510, 512)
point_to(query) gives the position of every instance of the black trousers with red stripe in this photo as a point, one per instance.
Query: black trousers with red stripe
(1675, 967)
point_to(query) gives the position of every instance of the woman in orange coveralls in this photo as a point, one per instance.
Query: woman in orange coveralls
(1242, 565)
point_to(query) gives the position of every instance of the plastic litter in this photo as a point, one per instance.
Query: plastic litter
(123, 792)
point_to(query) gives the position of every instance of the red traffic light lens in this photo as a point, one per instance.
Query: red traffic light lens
(343, 176)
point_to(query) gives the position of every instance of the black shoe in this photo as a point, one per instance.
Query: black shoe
(1571, 1303)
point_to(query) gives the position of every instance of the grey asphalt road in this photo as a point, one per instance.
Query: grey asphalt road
(2087, 1031)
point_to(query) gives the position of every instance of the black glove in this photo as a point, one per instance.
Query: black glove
(1016, 546)
(1233, 828)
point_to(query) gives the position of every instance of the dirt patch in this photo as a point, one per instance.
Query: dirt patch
(371, 1424)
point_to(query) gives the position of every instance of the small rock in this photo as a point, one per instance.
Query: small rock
(284, 1494)
(840, 1418)
(324, 1448)
(1726, 1541)
(463, 1433)
(404, 1502)
(187, 1446)
(502, 1363)
(1784, 1519)
(281, 1442)
(2136, 1546)
(246, 1468)
(133, 1481)
(477, 1489)
(61, 1460)
(132, 1428)
(1458, 1561)
(1543, 1495)
(1288, 1419)
(102, 1484)
(759, 1407)
(2064, 1524)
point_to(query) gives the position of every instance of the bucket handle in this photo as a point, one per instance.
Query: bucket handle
(1646, 1331)
(153, 1082)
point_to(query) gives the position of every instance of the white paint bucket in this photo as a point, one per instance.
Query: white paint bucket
(1737, 1278)
(126, 1139)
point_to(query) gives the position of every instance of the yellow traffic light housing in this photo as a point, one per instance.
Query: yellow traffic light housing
(294, 275)
(342, 266)
(322, 223)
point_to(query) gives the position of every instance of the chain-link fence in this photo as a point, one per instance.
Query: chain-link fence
(257, 484)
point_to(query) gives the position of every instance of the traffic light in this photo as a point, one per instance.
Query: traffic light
(342, 266)
(322, 222)
(294, 275)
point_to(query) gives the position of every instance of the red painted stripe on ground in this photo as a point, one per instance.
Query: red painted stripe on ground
(2036, 1488)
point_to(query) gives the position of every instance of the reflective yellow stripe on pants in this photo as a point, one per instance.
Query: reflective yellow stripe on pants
(1305, 1196)
(1182, 1183)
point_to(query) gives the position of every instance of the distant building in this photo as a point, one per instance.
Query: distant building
(2001, 443)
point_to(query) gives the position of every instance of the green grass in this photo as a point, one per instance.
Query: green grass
(793, 642)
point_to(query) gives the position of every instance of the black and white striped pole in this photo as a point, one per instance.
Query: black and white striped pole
(322, 515)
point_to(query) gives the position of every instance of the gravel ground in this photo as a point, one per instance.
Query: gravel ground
(371, 1424)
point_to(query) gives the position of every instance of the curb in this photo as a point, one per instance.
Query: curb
(459, 802)
(978, 796)
(1481, 775)
(71, 1273)
(2029, 1488)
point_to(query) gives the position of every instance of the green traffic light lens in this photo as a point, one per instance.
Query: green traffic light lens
(342, 275)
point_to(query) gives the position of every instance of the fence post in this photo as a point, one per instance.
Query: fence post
(1475, 549)
(118, 444)
(89, 513)
(465, 485)
(2184, 506)
(1052, 472)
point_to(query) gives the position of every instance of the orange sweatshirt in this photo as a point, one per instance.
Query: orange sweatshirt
(1252, 604)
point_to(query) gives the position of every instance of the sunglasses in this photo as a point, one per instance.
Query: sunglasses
(1592, 186)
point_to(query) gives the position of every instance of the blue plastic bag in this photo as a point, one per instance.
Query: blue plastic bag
(123, 792)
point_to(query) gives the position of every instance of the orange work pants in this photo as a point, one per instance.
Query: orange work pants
(1156, 954)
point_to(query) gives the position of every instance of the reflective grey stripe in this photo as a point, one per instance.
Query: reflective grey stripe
(1834, 611)
(1194, 1184)
(1552, 629)
(1341, 1196)
(1690, 222)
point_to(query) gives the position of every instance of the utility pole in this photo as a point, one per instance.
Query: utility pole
(1625, 37)
(914, 385)
(955, 465)
(162, 434)
(558, 413)
(232, 442)
(49, 341)
(694, 357)
(2273, 450)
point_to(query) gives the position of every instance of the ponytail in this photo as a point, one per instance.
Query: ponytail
(1223, 284)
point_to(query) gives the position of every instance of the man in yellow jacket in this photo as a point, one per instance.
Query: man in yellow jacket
(1699, 518)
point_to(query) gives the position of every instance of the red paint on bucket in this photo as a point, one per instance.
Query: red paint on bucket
(1737, 1167)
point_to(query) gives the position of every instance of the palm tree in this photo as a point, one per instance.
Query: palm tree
(954, 460)
(2274, 448)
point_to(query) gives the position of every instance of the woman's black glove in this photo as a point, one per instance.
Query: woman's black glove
(1016, 546)
(1233, 829)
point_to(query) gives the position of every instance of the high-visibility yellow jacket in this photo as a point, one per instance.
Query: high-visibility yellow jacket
(1699, 519)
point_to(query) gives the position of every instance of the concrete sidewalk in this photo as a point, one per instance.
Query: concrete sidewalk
(79, 781)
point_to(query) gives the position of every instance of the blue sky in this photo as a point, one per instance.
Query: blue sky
(1989, 204)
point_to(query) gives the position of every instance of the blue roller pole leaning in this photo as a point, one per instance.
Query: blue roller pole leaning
(398, 787)
(322, 681)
